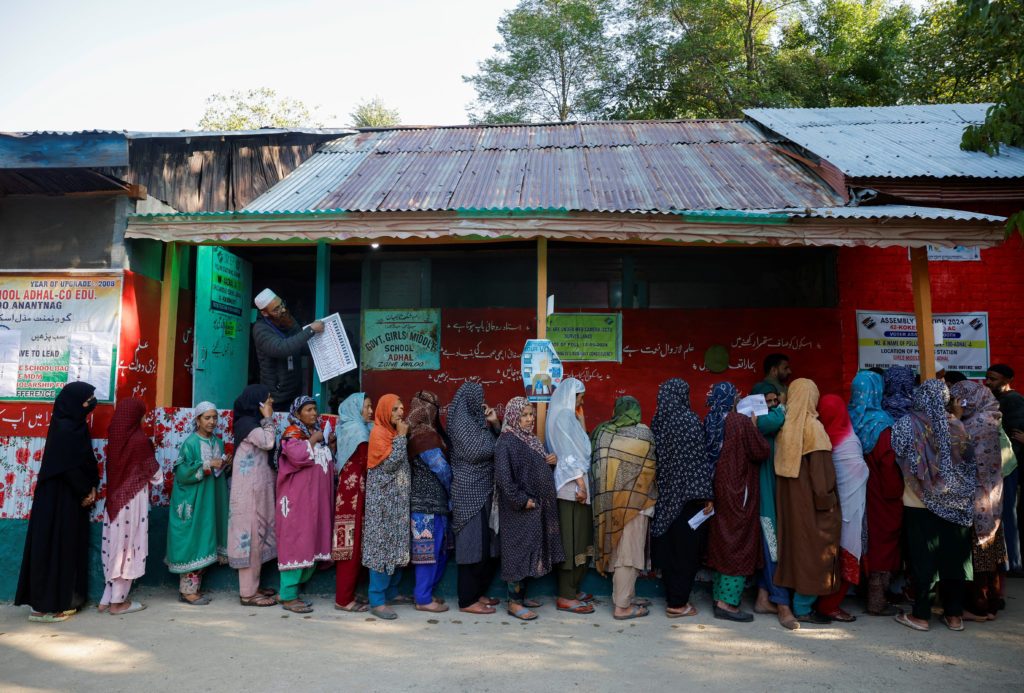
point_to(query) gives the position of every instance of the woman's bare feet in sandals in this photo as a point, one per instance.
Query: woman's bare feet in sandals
(762, 605)
(488, 601)
(520, 611)
(434, 606)
(675, 612)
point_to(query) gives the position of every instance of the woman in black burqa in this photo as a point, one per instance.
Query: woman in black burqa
(56, 559)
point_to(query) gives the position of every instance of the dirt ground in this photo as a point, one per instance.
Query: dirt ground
(225, 647)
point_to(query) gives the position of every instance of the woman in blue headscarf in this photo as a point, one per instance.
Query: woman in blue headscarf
(873, 426)
(354, 424)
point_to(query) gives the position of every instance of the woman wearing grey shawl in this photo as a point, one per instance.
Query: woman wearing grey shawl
(470, 423)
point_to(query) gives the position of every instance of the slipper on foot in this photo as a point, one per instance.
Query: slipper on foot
(357, 609)
(688, 610)
(489, 601)
(477, 608)
(49, 617)
(841, 616)
(132, 608)
(738, 616)
(522, 613)
(959, 628)
(791, 624)
(434, 608)
(202, 601)
(258, 600)
(383, 612)
(301, 608)
(637, 611)
(581, 608)
(902, 618)
(400, 600)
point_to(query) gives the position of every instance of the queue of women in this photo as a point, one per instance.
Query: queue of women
(808, 500)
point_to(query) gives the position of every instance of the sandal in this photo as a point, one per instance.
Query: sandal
(489, 601)
(636, 612)
(379, 612)
(522, 613)
(968, 616)
(201, 601)
(532, 603)
(477, 608)
(581, 608)
(435, 607)
(266, 592)
(400, 600)
(641, 601)
(258, 600)
(841, 616)
(357, 609)
(300, 608)
(54, 617)
(958, 628)
(905, 620)
(133, 607)
(688, 610)
(584, 597)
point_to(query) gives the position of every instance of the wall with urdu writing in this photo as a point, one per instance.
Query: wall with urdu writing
(485, 345)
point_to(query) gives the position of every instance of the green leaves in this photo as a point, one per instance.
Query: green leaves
(255, 109)
(373, 113)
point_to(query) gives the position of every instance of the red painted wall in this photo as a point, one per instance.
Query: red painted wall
(658, 344)
(879, 279)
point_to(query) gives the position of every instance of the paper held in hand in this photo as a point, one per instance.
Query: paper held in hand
(754, 405)
(332, 354)
(700, 518)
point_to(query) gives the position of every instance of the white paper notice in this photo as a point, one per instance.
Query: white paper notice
(10, 348)
(699, 519)
(90, 359)
(331, 351)
(754, 405)
(939, 332)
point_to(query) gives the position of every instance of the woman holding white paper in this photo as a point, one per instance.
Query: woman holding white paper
(683, 477)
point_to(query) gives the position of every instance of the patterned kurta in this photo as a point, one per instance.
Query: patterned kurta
(305, 504)
(197, 530)
(734, 538)
(251, 522)
(531, 541)
(349, 504)
(386, 520)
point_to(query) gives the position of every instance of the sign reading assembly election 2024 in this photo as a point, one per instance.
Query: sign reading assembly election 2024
(55, 329)
(402, 340)
(890, 339)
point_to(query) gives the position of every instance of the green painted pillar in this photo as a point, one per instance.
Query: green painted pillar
(322, 304)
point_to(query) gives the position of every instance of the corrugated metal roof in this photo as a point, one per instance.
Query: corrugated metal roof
(893, 141)
(632, 166)
(886, 212)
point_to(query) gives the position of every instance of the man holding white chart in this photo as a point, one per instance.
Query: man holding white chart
(280, 345)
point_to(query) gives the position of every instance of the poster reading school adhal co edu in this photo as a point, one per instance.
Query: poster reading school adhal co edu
(407, 340)
(55, 329)
(890, 339)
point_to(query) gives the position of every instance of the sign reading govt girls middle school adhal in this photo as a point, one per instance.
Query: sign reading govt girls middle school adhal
(890, 339)
(396, 340)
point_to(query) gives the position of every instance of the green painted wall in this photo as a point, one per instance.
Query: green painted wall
(222, 578)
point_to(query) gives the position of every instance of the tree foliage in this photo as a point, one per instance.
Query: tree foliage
(373, 113)
(554, 63)
(1001, 25)
(255, 109)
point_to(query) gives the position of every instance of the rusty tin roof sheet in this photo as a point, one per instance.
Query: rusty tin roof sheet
(619, 166)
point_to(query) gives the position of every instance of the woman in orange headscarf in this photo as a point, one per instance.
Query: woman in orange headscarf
(386, 519)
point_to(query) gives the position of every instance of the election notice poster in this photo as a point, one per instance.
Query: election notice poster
(67, 327)
(586, 336)
(402, 340)
(331, 351)
(890, 339)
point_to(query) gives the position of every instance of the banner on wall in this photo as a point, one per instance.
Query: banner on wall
(586, 336)
(66, 328)
(541, 369)
(397, 340)
(227, 284)
(890, 339)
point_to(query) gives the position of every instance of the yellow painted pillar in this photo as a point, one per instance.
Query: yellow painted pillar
(542, 317)
(923, 311)
(168, 324)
